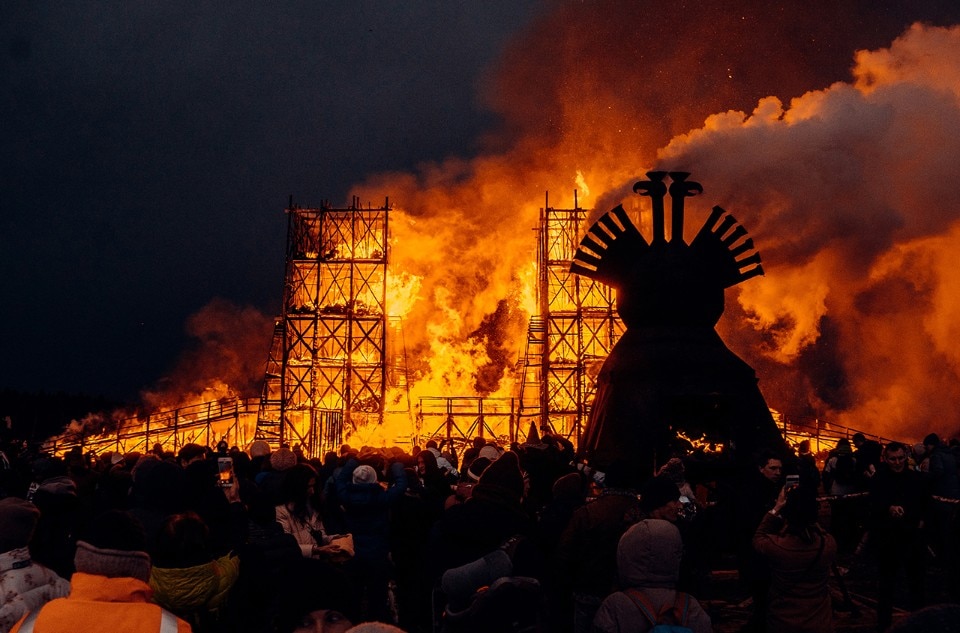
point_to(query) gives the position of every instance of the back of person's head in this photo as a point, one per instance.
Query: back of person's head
(502, 481)
(657, 492)
(159, 484)
(114, 546)
(283, 459)
(476, 468)
(259, 448)
(183, 542)
(18, 520)
(364, 474)
(621, 473)
(570, 488)
(801, 509)
(648, 555)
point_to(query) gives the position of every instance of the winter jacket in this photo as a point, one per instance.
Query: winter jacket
(648, 562)
(367, 509)
(586, 553)
(98, 603)
(467, 531)
(194, 589)
(25, 586)
(799, 593)
(306, 532)
(943, 473)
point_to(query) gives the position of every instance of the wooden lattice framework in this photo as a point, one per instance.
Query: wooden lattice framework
(574, 332)
(327, 366)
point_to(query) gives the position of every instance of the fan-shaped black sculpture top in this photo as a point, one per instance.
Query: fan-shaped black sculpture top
(670, 371)
(668, 283)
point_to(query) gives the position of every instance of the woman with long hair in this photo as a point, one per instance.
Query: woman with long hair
(298, 513)
(800, 555)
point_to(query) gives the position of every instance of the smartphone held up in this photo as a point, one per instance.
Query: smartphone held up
(225, 469)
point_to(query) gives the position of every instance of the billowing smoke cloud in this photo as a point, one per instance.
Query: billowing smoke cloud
(850, 194)
(846, 188)
(226, 360)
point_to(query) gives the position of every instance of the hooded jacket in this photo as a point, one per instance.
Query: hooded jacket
(648, 562)
(198, 588)
(25, 586)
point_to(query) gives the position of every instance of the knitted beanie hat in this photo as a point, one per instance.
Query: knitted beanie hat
(502, 480)
(112, 563)
(259, 449)
(283, 459)
(490, 451)
(18, 518)
(115, 546)
(364, 474)
(61, 485)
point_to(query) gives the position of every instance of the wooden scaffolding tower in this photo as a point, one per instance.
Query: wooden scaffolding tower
(573, 334)
(327, 367)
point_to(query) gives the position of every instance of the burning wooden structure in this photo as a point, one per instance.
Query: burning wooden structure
(670, 373)
(573, 333)
(328, 363)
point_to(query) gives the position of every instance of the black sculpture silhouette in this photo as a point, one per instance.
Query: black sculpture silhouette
(670, 372)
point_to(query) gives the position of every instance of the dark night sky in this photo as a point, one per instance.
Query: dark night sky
(149, 148)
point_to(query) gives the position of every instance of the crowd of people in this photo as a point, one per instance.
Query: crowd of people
(435, 540)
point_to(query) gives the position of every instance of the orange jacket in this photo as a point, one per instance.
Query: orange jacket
(97, 604)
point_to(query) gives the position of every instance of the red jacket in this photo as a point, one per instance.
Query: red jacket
(99, 603)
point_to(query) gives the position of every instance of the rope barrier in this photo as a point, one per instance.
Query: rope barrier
(854, 495)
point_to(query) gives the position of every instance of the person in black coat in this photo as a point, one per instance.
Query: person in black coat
(899, 500)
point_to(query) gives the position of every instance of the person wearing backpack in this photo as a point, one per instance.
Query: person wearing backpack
(648, 566)
(841, 477)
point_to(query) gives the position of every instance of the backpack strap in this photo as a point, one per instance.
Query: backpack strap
(680, 609)
(642, 604)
